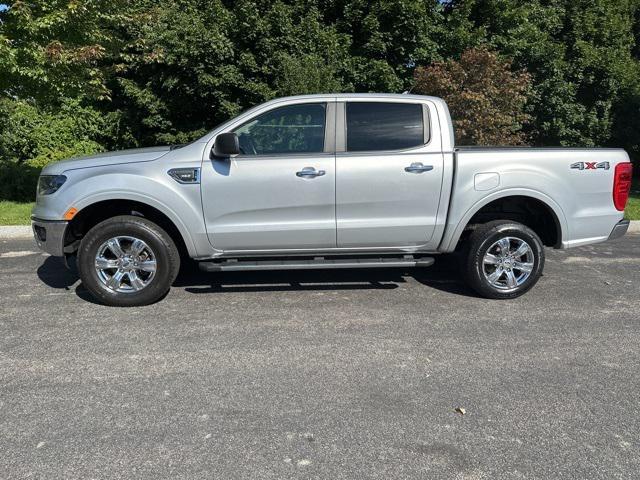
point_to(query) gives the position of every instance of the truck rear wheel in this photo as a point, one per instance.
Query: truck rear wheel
(127, 261)
(503, 259)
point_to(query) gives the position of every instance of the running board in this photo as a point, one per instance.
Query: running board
(316, 263)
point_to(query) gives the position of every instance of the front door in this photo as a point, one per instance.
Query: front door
(279, 192)
(389, 176)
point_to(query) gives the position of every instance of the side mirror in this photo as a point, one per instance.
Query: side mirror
(227, 144)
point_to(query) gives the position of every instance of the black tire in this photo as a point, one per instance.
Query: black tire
(163, 248)
(482, 239)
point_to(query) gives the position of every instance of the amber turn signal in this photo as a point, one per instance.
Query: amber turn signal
(70, 213)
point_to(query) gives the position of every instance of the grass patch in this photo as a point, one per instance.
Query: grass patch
(15, 213)
(632, 212)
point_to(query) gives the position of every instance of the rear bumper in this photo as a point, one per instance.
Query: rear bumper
(619, 230)
(49, 235)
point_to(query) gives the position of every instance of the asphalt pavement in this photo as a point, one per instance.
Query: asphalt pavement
(324, 374)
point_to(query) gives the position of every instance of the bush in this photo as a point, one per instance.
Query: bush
(18, 182)
(31, 138)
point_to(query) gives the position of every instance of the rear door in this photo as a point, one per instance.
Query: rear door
(279, 193)
(388, 174)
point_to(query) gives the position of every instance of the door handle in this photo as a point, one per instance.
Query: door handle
(310, 172)
(418, 167)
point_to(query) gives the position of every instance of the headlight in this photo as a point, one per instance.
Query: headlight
(48, 184)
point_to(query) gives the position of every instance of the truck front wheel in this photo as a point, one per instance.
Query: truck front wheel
(127, 261)
(502, 259)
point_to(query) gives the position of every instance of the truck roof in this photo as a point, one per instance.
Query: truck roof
(347, 96)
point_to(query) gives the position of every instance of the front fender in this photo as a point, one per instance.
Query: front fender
(179, 202)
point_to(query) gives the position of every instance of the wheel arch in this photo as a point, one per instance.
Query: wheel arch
(94, 209)
(454, 232)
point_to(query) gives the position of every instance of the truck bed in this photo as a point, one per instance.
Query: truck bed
(575, 182)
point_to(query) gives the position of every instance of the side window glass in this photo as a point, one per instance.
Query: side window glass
(290, 129)
(384, 126)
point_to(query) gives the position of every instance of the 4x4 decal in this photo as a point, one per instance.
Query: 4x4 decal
(590, 165)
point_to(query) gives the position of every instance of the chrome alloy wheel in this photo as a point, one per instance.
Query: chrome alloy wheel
(508, 263)
(125, 264)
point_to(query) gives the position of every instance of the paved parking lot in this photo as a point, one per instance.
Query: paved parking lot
(333, 375)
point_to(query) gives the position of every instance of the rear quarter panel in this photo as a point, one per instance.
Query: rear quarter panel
(581, 199)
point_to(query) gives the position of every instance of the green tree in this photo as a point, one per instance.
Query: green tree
(54, 62)
(56, 49)
(189, 65)
(387, 38)
(579, 53)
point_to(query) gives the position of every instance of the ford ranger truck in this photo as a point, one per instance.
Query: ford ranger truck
(327, 181)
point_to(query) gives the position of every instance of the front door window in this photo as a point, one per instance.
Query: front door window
(293, 129)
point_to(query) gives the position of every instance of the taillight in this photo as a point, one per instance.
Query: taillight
(621, 185)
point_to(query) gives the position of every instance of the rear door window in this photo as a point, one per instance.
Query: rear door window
(375, 126)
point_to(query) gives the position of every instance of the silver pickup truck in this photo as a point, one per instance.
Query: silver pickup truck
(326, 181)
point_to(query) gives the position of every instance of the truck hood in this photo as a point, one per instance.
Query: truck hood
(106, 158)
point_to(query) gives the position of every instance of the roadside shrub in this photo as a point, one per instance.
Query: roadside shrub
(31, 138)
(18, 182)
(627, 128)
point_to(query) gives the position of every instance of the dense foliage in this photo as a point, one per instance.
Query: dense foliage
(80, 76)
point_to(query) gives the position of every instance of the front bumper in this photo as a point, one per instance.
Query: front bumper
(619, 230)
(50, 235)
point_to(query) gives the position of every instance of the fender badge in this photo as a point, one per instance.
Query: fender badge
(590, 166)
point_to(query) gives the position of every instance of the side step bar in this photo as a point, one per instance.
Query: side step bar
(316, 263)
